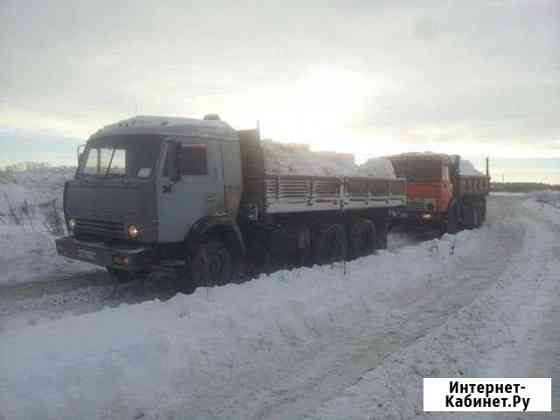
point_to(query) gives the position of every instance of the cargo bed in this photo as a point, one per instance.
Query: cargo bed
(470, 185)
(267, 193)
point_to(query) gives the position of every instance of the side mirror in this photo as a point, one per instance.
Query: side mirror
(173, 162)
(81, 148)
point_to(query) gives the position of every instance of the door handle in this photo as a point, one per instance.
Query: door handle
(168, 188)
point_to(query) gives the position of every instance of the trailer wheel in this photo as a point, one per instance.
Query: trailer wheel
(452, 220)
(483, 212)
(476, 217)
(362, 238)
(329, 245)
(209, 264)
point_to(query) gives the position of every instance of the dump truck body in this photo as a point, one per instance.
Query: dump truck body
(442, 191)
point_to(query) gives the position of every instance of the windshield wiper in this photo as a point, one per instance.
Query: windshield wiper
(110, 162)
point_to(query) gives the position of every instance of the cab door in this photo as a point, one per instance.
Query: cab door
(198, 193)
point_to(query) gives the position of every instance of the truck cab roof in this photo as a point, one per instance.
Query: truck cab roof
(190, 127)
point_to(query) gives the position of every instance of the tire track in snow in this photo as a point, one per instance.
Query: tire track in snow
(490, 337)
(55, 297)
(282, 376)
(474, 275)
(290, 386)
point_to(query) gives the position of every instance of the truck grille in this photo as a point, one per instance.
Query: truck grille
(99, 229)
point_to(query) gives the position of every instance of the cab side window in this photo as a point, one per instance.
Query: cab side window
(194, 160)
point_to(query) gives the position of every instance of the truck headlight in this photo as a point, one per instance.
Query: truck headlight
(133, 232)
(71, 224)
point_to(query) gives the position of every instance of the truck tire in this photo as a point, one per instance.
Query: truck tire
(120, 276)
(481, 209)
(209, 264)
(329, 244)
(452, 221)
(362, 239)
(381, 235)
(476, 217)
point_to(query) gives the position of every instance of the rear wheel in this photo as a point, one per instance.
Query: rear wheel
(329, 244)
(210, 264)
(452, 221)
(362, 238)
(476, 217)
(483, 212)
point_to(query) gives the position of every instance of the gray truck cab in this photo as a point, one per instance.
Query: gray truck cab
(150, 181)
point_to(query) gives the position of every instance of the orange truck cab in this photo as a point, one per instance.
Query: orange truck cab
(439, 193)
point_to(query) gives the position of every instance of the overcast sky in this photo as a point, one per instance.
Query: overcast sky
(370, 77)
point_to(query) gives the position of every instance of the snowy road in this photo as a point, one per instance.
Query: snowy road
(328, 342)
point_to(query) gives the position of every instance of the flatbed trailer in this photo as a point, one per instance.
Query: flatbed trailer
(155, 192)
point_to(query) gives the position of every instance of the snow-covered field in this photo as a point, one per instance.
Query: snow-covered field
(26, 202)
(327, 342)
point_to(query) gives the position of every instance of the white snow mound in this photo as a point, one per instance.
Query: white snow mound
(378, 168)
(26, 206)
(466, 168)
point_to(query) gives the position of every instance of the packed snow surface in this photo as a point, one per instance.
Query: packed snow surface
(297, 159)
(348, 341)
(547, 197)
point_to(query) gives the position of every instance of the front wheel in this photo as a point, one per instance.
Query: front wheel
(210, 264)
(120, 276)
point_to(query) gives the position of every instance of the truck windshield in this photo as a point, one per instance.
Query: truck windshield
(130, 156)
(422, 170)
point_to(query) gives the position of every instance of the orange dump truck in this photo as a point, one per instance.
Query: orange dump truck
(443, 191)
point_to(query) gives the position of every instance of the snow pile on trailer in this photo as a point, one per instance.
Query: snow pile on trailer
(297, 159)
(466, 168)
(377, 168)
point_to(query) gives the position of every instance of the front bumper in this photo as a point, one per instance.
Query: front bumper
(418, 217)
(124, 257)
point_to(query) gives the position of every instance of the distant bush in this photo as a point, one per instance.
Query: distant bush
(54, 222)
(522, 187)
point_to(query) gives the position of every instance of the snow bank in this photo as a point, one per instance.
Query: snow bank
(494, 336)
(35, 183)
(26, 204)
(548, 197)
(29, 254)
(297, 159)
(180, 357)
(12, 195)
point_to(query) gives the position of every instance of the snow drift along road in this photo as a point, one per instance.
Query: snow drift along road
(309, 342)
